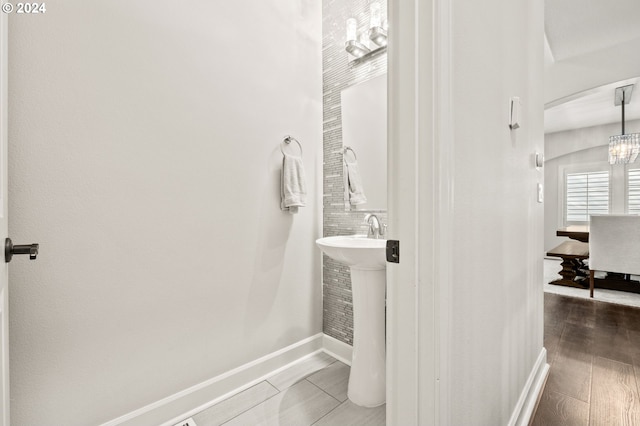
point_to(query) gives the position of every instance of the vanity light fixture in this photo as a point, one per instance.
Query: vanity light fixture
(359, 47)
(353, 45)
(377, 33)
(623, 148)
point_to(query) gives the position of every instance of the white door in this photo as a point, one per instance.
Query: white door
(4, 296)
(420, 215)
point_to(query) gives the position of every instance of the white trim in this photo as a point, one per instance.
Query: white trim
(420, 154)
(548, 54)
(405, 67)
(174, 407)
(627, 168)
(5, 405)
(337, 349)
(526, 404)
(440, 274)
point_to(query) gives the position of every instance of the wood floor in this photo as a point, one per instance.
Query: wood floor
(594, 353)
(312, 392)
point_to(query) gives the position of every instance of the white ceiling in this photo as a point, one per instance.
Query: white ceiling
(577, 27)
(592, 108)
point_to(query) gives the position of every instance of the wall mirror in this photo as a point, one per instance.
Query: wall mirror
(364, 141)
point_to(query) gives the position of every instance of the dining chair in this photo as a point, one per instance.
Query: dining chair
(614, 245)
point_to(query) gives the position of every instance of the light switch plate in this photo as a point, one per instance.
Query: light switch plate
(539, 160)
(540, 193)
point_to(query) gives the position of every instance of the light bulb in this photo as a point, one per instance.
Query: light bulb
(352, 29)
(374, 12)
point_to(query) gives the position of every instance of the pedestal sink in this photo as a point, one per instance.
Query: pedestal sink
(366, 260)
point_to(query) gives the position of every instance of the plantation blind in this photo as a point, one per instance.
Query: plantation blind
(586, 193)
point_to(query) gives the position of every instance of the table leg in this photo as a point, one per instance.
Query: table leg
(572, 273)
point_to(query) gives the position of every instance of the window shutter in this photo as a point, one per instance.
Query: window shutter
(633, 202)
(586, 194)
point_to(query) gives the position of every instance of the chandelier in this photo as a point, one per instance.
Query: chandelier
(623, 148)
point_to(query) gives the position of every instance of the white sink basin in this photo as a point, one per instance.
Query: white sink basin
(355, 250)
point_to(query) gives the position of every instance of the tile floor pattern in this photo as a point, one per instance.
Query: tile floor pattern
(312, 392)
(594, 353)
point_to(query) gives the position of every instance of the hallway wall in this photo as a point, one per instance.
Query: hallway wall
(569, 149)
(465, 302)
(145, 159)
(496, 296)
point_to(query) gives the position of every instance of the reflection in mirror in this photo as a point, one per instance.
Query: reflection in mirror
(364, 139)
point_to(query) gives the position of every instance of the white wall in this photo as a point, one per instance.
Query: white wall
(144, 158)
(496, 296)
(575, 150)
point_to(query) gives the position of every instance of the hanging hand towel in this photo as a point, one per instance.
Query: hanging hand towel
(293, 188)
(354, 181)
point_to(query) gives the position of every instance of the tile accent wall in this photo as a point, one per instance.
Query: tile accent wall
(338, 74)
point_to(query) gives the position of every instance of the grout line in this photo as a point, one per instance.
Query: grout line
(633, 364)
(339, 402)
(248, 409)
(278, 391)
(305, 377)
(274, 386)
(590, 404)
(330, 411)
(593, 360)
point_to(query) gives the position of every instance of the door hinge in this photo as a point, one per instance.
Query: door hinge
(393, 251)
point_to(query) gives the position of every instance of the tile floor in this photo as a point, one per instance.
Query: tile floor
(312, 392)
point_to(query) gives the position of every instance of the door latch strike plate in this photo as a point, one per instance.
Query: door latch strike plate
(393, 251)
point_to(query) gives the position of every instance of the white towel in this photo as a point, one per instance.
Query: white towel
(354, 181)
(293, 188)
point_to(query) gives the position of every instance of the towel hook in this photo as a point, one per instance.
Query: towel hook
(348, 148)
(287, 140)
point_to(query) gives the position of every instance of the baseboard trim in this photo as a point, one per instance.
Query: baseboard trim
(208, 393)
(533, 388)
(337, 349)
(190, 401)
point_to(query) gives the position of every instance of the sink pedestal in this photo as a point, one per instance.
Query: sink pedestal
(367, 261)
(368, 374)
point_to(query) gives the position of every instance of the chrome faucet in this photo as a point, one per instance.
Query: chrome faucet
(377, 229)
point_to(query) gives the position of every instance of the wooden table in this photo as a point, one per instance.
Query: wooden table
(573, 253)
(575, 232)
(574, 271)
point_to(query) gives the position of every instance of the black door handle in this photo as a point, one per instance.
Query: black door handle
(10, 250)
